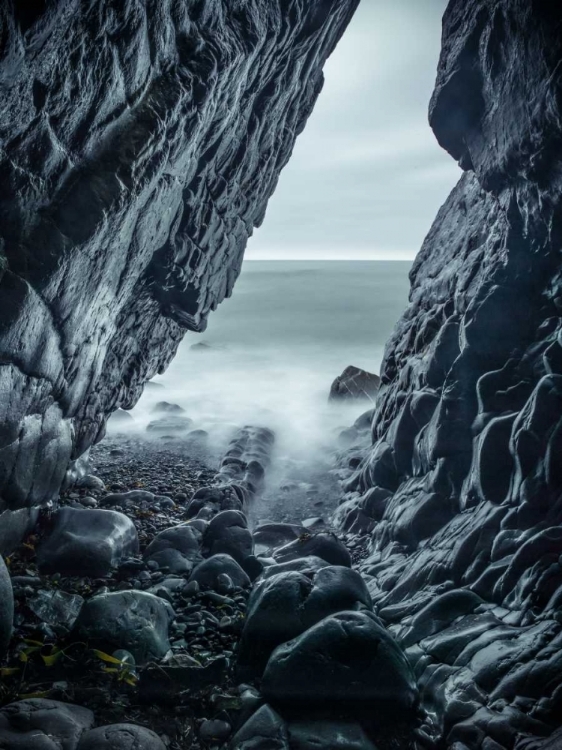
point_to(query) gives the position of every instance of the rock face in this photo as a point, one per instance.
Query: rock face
(464, 478)
(140, 145)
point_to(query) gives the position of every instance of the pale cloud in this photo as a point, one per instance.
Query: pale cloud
(367, 175)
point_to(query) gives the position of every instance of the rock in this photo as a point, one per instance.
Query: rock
(170, 425)
(131, 498)
(269, 536)
(324, 545)
(121, 737)
(6, 608)
(346, 658)
(178, 549)
(133, 620)
(56, 607)
(163, 407)
(355, 383)
(90, 482)
(120, 419)
(285, 605)
(228, 533)
(86, 542)
(41, 724)
(214, 730)
(265, 730)
(208, 573)
(328, 735)
(181, 673)
(307, 565)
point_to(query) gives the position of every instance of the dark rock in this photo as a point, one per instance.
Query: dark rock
(269, 536)
(347, 658)
(178, 549)
(207, 573)
(328, 735)
(355, 383)
(6, 608)
(324, 545)
(307, 565)
(125, 499)
(163, 407)
(121, 737)
(180, 674)
(265, 730)
(90, 482)
(121, 418)
(214, 730)
(228, 533)
(170, 425)
(87, 542)
(133, 620)
(40, 724)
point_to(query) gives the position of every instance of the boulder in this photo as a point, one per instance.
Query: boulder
(207, 573)
(87, 542)
(347, 658)
(324, 545)
(164, 407)
(355, 383)
(264, 730)
(270, 536)
(133, 620)
(178, 549)
(121, 737)
(307, 565)
(6, 608)
(40, 724)
(328, 735)
(169, 425)
(285, 605)
(228, 533)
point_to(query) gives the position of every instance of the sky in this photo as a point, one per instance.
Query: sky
(367, 176)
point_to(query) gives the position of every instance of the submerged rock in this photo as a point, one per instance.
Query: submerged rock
(87, 542)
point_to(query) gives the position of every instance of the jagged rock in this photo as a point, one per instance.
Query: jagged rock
(121, 737)
(347, 658)
(178, 549)
(265, 730)
(228, 533)
(207, 573)
(285, 605)
(133, 620)
(56, 607)
(134, 172)
(324, 545)
(87, 542)
(355, 383)
(41, 724)
(6, 607)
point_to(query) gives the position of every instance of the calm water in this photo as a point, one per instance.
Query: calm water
(276, 346)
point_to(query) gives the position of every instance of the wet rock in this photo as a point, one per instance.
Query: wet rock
(308, 565)
(324, 545)
(328, 735)
(40, 724)
(214, 730)
(86, 542)
(121, 737)
(128, 499)
(90, 482)
(56, 607)
(207, 573)
(265, 730)
(133, 620)
(180, 674)
(228, 534)
(6, 607)
(269, 536)
(177, 549)
(346, 658)
(355, 383)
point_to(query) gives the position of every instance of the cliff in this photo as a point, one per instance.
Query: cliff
(463, 485)
(139, 144)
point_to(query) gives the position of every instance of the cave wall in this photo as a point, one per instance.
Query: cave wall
(139, 145)
(462, 489)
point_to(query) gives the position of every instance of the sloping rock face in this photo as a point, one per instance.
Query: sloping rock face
(139, 144)
(464, 479)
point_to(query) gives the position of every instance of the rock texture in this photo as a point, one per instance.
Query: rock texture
(139, 144)
(464, 478)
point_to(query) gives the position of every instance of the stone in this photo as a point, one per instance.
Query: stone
(228, 533)
(328, 735)
(269, 536)
(6, 608)
(214, 730)
(346, 658)
(131, 498)
(324, 545)
(86, 542)
(90, 482)
(264, 730)
(355, 383)
(121, 737)
(42, 724)
(208, 573)
(178, 549)
(56, 607)
(169, 425)
(164, 407)
(133, 620)
(161, 683)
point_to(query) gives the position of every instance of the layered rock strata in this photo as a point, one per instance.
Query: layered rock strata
(463, 483)
(139, 144)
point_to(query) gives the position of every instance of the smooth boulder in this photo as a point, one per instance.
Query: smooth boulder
(328, 735)
(41, 724)
(87, 542)
(347, 658)
(121, 737)
(178, 549)
(6, 607)
(133, 620)
(228, 534)
(208, 573)
(324, 545)
(264, 730)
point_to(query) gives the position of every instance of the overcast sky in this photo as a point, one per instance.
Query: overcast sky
(367, 176)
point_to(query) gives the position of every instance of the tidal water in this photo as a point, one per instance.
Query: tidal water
(271, 352)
